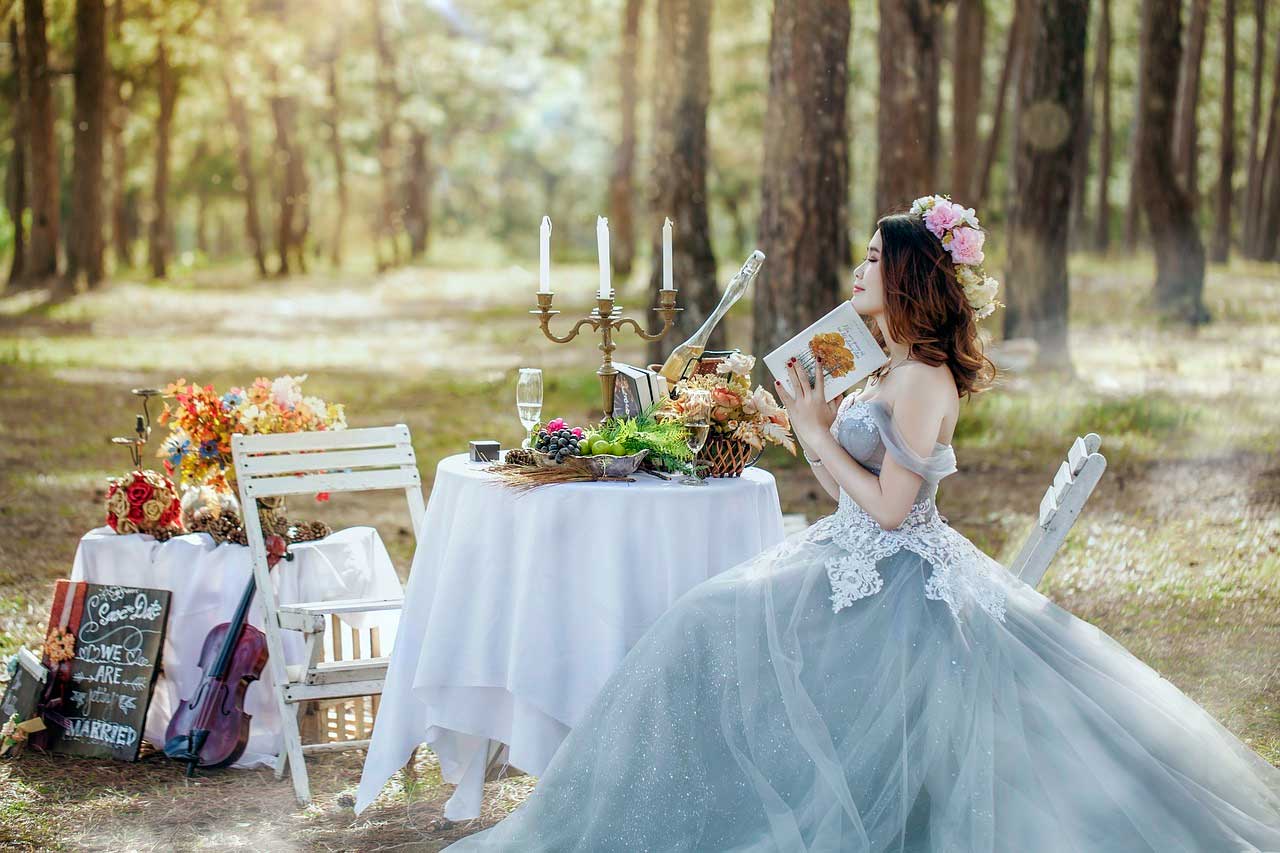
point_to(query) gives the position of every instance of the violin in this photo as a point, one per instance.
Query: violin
(211, 729)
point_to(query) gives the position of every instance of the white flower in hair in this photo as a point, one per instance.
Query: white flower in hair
(960, 232)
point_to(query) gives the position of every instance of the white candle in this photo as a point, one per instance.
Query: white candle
(667, 283)
(544, 256)
(602, 244)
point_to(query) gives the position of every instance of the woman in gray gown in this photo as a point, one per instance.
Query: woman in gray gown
(877, 683)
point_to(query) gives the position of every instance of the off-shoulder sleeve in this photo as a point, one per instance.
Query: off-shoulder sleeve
(932, 468)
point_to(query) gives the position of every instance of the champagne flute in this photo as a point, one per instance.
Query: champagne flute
(529, 401)
(697, 432)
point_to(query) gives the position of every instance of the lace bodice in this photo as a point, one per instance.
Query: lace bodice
(962, 575)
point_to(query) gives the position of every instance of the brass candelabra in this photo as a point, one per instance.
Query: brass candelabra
(606, 318)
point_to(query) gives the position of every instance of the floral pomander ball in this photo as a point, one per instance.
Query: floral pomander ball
(143, 502)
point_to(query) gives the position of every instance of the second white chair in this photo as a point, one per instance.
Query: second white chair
(353, 460)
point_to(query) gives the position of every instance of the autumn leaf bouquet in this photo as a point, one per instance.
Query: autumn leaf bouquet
(201, 422)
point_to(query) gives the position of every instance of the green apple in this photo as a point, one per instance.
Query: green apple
(601, 446)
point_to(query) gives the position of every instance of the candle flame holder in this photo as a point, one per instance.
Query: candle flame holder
(606, 319)
(141, 427)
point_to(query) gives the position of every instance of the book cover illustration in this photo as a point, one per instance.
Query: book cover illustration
(849, 352)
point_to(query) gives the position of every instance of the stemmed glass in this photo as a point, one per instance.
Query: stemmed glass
(698, 427)
(529, 401)
(697, 436)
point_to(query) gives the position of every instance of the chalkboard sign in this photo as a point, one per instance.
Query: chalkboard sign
(102, 693)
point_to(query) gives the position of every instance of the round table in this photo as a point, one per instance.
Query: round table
(206, 581)
(519, 606)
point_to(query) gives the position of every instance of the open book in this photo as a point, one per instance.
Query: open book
(849, 352)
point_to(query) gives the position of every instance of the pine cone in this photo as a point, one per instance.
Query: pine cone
(520, 456)
(309, 531)
(223, 528)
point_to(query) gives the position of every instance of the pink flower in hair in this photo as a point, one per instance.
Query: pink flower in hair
(966, 246)
(942, 217)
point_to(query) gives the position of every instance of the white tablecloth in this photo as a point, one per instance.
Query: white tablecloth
(520, 606)
(207, 580)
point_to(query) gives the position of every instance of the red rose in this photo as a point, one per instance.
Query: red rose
(135, 514)
(171, 514)
(140, 491)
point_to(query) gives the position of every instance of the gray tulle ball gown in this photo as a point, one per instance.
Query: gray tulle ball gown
(856, 689)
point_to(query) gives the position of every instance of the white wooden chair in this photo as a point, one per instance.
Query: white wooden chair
(352, 460)
(1060, 507)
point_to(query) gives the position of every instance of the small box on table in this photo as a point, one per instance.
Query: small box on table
(485, 451)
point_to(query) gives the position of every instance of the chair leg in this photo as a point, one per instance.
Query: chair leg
(293, 749)
(283, 758)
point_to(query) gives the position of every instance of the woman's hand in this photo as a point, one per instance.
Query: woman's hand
(811, 416)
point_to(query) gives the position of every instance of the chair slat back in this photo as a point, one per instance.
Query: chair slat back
(351, 460)
(1059, 507)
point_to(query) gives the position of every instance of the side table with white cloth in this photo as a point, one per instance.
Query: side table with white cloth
(207, 580)
(520, 606)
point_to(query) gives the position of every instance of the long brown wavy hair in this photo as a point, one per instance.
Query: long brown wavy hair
(925, 305)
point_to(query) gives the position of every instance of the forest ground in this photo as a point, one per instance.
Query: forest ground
(1177, 554)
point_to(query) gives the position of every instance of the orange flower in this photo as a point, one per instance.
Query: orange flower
(722, 396)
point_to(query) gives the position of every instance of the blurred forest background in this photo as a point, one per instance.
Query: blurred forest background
(149, 135)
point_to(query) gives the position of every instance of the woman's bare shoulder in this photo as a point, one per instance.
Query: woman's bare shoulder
(920, 381)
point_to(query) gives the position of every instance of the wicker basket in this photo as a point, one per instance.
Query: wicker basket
(726, 457)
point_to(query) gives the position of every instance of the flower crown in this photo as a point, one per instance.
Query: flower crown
(961, 235)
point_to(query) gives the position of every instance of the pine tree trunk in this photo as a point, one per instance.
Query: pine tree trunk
(167, 92)
(84, 256)
(966, 101)
(293, 180)
(622, 238)
(1080, 166)
(1227, 137)
(249, 178)
(1013, 52)
(123, 247)
(1253, 154)
(417, 206)
(682, 92)
(1268, 238)
(806, 166)
(334, 121)
(907, 118)
(1102, 78)
(1176, 241)
(389, 219)
(200, 155)
(1185, 128)
(1050, 105)
(42, 257)
(15, 189)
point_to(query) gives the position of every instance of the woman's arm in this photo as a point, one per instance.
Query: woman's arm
(819, 469)
(918, 413)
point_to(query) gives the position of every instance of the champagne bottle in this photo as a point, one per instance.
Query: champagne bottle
(675, 364)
